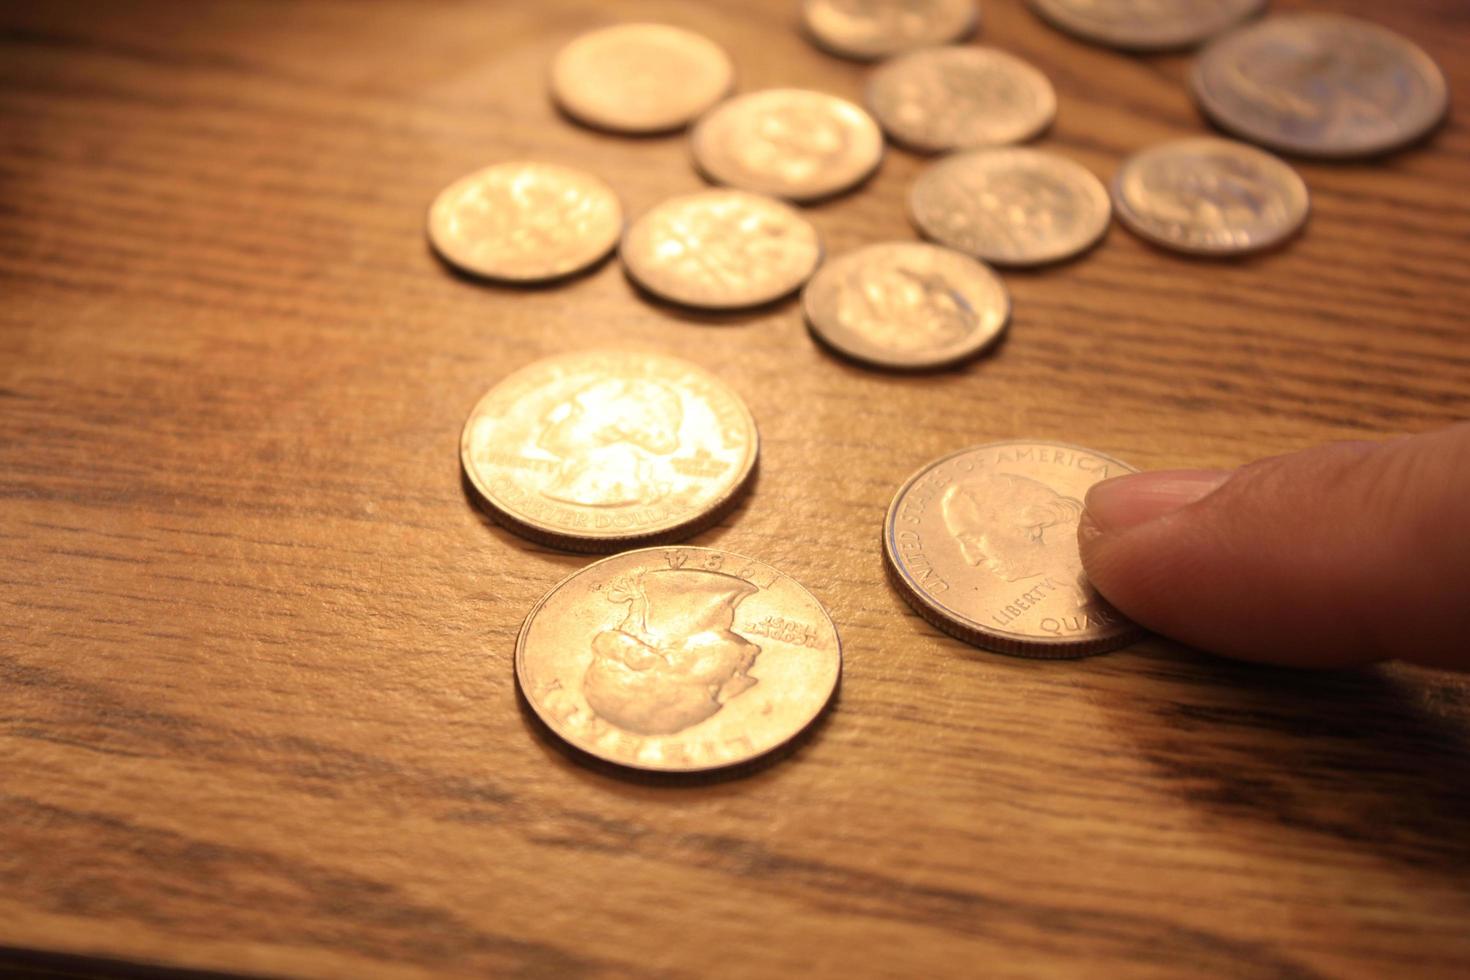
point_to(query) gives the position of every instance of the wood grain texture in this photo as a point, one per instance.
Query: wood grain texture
(257, 711)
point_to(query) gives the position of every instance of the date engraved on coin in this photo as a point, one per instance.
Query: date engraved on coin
(678, 660)
(1011, 206)
(1320, 85)
(596, 450)
(983, 544)
(721, 249)
(1210, 196)
(791, 143)
(525, 222)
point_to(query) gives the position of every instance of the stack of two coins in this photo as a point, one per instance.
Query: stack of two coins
(664, 658)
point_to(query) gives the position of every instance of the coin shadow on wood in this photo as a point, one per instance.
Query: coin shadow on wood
(691, 314)
(512, 286)
(553, 745)
(1356, 759)
(637, 136)
(959, 366)
(497, 527)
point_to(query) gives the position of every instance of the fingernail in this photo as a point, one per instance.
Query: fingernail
(1127, 501)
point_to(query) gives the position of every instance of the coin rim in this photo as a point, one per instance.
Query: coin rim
(968, 352)
(962, 627)
(1046, 120)
(1121, 42)
(591, 121)
(816, 714)
(1209, 104)
(1096, 187)
(444, 252)
(665, 535)
(631, 268)
(1133, 220)
(972, 26)
(698, 139)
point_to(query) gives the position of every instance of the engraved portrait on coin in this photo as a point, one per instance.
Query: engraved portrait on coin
(983, 544)
(674, 659)
(600, 449)
(678, 659)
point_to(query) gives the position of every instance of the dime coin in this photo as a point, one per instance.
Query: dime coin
(602, 449)
(678, 659)
(1320, 85)
(872, 29)
(983, 544)
(1210, 196)
(1011, 206)
(907, 305)
(949, 98)
(1146, 25)
(640, 78)
(525, 222)
(789, 143)
(721, 249)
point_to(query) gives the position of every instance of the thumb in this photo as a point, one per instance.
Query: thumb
(1340, 554)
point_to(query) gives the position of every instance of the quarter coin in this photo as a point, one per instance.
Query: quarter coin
(1011, 206)
(955, 97)
(525, 222)
(907, 305)
(1210, 196)
(601, 450)
(983, 544)
(1146, 25)
(678, 659)
(640, 78)
(1320, 85)
(788, 142)
(721, 249)
(870, 29)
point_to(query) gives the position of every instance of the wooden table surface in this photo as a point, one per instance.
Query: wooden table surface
(257, 710)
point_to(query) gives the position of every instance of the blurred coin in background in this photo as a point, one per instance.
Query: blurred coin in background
(870, 29)
(640, 78)
(525, 222)
(1320, 85)
(1209, 196)
(1011, 206)
(957, 97)
(1146, 25)
(792, 143)
(906, 305)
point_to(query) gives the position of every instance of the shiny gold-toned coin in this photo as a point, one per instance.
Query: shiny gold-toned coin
(640, 78)
(525, 222)
(1208, 196)
(872, 29)
(600, 450)
(983, 544)
(1146, 25)
(956, 97)
(1011, 206)
(721, 249)
(789, 143)
(1320, 85)
(907, 305)
(678, 659)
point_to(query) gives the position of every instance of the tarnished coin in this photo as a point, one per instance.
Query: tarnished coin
(1146, 25)
(907, 305)
(872, 29)
(1011, 206)
(983, 544)
(640, 78)
(950, 98)
(525, 222)
(789, 143)
(1320, 85)
(678, 659)
(1210, 196)
(599, 450)
(721, 249)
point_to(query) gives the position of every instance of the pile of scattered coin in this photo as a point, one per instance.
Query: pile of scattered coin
(680, 658)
